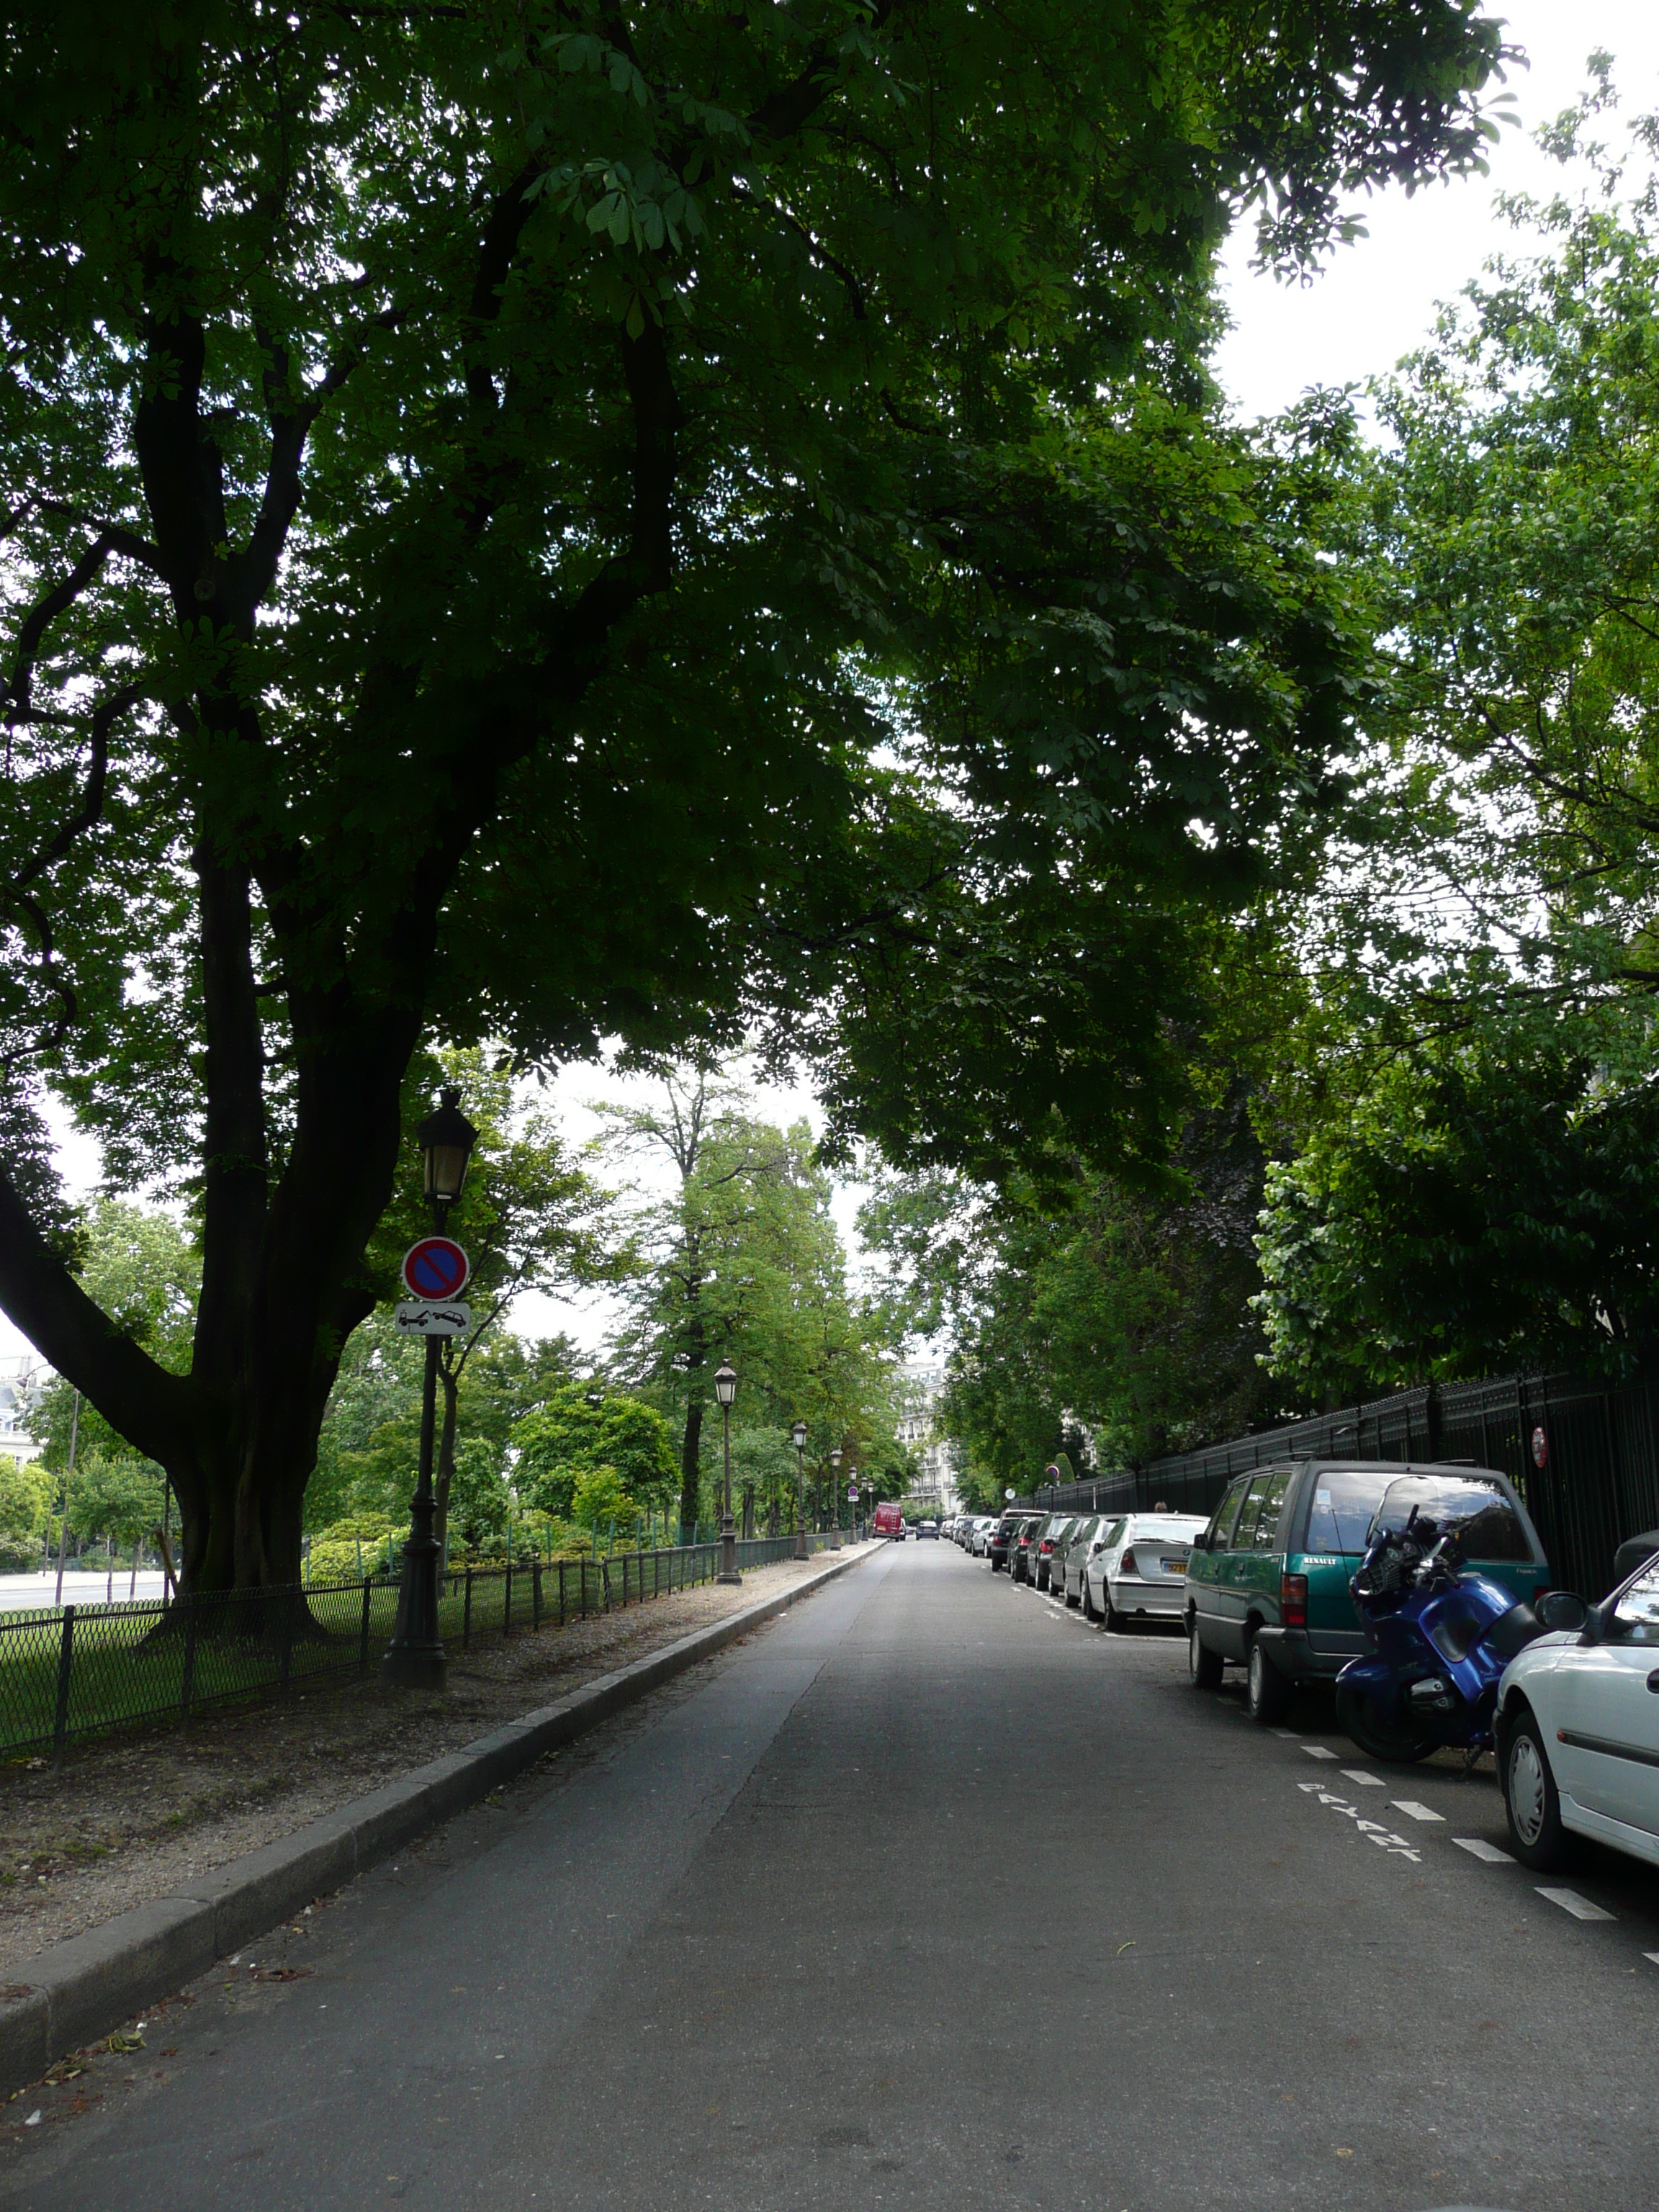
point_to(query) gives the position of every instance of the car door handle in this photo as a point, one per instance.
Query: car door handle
(1653, 1681)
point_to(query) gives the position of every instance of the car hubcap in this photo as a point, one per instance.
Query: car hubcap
(1527, 1790)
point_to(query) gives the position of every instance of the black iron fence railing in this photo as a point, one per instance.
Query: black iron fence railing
(79, 1670)
(1583, 1453)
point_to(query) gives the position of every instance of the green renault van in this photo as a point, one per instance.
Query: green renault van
(1268, 1581)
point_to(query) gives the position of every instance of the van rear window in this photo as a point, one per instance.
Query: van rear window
(1345, 1500)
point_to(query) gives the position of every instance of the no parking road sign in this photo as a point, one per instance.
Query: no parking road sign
(436, 1268)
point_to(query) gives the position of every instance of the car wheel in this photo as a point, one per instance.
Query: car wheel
(1089, 1612)
(1116, 1621)
(1072, 1601)
(1266, 1691)
(1530, 1798)
(1204, 1665)
(1396, 1742)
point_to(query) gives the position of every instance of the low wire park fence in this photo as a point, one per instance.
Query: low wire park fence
(82, 1670)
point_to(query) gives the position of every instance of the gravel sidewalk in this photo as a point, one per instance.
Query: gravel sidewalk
(130, 1818)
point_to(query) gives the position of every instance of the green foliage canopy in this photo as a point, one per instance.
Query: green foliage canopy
(1472, 1189)
(582, 1430)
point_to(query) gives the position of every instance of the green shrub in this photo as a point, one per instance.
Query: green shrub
(347, 1550)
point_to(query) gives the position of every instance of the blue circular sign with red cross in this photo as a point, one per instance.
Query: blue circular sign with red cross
(436, 1267)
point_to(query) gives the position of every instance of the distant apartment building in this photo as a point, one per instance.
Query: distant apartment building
(919, 1391)
(22, 1382)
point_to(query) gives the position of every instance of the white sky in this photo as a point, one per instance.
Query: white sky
(1375, 304)
(1377, 299)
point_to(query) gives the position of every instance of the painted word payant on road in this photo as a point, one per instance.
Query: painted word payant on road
(1373, 1831)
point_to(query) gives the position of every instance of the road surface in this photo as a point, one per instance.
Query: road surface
(928, 1895)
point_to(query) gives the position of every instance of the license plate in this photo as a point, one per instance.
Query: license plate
(1174, 1567)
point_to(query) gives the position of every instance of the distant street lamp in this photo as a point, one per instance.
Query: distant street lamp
(798, 1434)
(725, 1389)
(415, 1657)
(835, 1498)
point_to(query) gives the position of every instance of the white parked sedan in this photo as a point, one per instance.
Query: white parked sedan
(1578, 1731)
(1140, 1574)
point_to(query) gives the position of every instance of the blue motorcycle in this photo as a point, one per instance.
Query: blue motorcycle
(1441, 1635)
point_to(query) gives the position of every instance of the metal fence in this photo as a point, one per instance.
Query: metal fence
(1582, 1452)
(82, 1670)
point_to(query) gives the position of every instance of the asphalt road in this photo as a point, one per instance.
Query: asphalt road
(928, 1895)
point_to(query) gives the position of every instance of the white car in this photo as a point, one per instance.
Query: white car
(1140, 1573)
(980, 1542)
(1577, 1731)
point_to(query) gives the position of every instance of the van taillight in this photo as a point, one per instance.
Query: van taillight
(1293, 1600)
(1127, 1565)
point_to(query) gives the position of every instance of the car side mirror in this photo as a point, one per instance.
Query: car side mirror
(1201, 1541)
(1563, 1611)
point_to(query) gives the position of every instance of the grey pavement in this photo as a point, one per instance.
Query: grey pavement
(928, 1895)
(30, 1592)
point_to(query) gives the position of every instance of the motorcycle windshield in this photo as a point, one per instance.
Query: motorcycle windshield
(1473, 1509)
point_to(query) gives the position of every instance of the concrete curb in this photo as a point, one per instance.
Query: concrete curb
(84, 1988)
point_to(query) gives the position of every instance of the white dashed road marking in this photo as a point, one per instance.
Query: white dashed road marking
(1580, 1907)
(1479, 1848)
(1654, 1955)
(1365, 1781)
(1414, 1811)
(1318, 1751)
(1286, 1735)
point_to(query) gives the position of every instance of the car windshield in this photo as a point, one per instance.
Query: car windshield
(1473, 1509)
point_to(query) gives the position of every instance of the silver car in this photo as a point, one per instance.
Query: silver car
(1091, 1536)
(1140, 1574)
(979, 1541)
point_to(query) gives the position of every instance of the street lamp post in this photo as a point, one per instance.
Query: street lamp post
(415, 1657)
(725, 1389)
(835, 1498)
(798, 1434)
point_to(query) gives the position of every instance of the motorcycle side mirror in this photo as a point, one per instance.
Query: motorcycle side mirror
(1563, 1611)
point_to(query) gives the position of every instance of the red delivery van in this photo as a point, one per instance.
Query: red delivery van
(889, 1521)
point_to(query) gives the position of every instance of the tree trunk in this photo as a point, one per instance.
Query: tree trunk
(691, 1466)
(451, 1385)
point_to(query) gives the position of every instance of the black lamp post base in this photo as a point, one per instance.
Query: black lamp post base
(800, 1540)
(405, 1668)
(728, 1572)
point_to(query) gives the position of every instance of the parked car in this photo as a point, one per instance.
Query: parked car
(1577, 1731)
(1267, 1579)
(1093, 1533)
(1051, 1536)
(1141, 1573)
(984, 1528)
(1022, 1552)
(928, 1528)
(1001, 1547)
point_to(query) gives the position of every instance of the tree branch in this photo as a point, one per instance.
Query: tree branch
(41, 617)
(128, 542)
(136, 1396)
(92, 799)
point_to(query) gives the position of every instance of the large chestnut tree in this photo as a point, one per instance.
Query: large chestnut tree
(558, 520)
